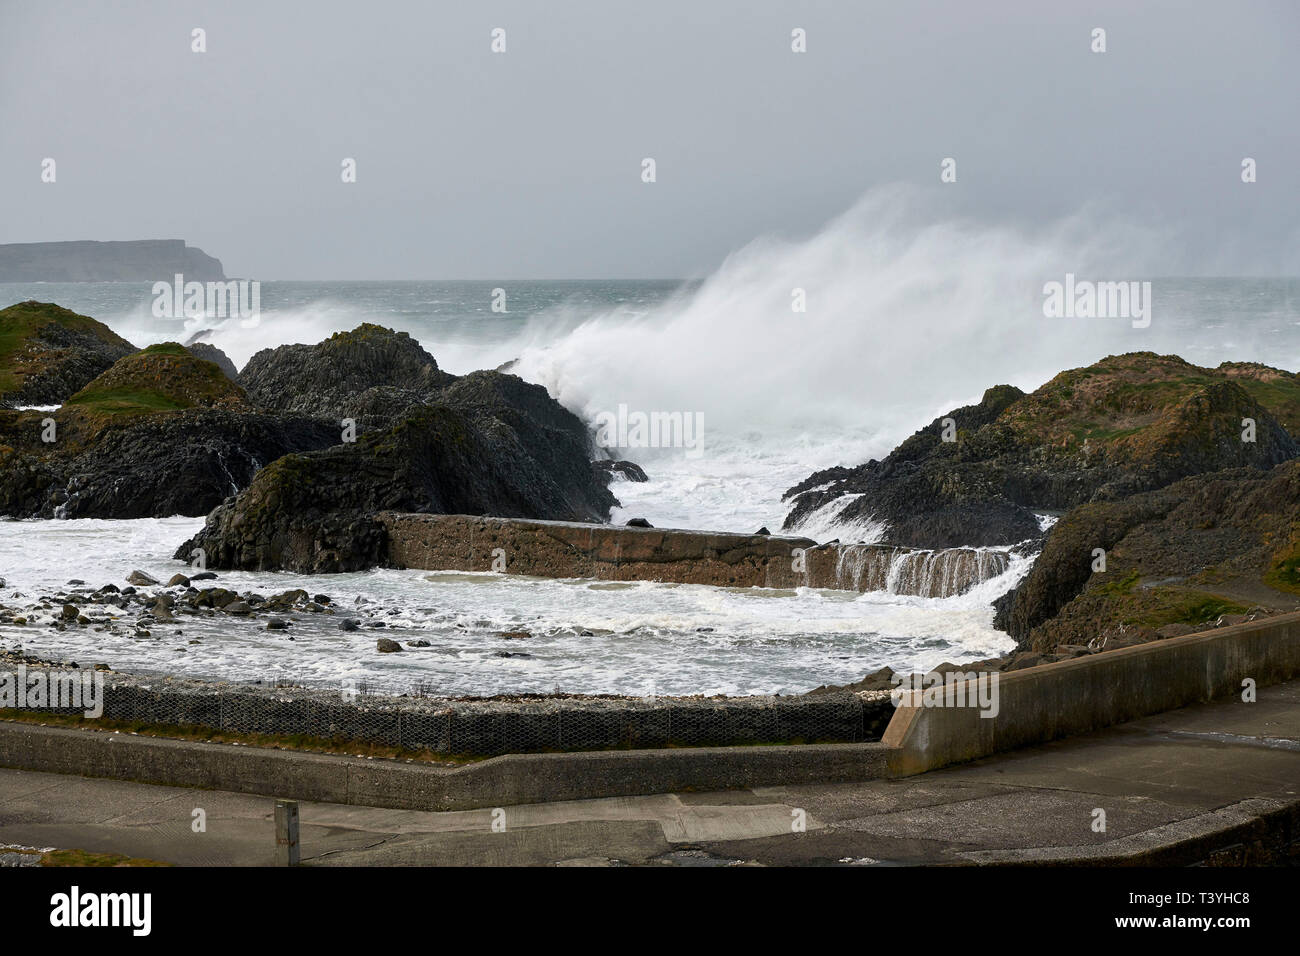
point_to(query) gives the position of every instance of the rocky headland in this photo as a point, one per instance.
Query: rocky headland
(143, 260)
(1128, 424)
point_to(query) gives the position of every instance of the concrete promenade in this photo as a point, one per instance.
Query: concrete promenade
(1216, 783)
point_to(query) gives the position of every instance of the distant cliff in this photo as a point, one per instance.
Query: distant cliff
(86, 261)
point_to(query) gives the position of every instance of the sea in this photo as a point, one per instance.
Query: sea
(894, 331)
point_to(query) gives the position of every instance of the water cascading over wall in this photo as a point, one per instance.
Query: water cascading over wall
(574, 550)
(952, 571)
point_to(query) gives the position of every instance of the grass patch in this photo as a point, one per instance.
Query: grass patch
(86, 858)
(1284, 575)
(1118, 586)
(1163, 606)
(161, 378)
(118, 401)
(1282, 399)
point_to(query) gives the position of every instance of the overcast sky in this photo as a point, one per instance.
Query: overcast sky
(527, 164)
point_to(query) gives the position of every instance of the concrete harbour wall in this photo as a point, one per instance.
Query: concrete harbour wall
(562, 549)
(1044, 703)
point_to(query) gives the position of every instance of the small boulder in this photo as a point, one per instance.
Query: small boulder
(638, 523)
(277, 624)
(140, 579)
(386, 646)
(178, 580)
(626, 470)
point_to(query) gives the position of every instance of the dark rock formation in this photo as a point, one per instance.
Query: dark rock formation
(1177, 559)
(185, 464)
(146, 260)
(625, 470)
(210, 353)
(370, 374)
(1128, 424)
(47, 353)
(159, 433)
(492, 444)
(163, 431)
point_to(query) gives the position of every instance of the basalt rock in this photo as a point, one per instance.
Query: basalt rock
(1128, 424)
(159, 433)
(492, 444)
(1204, 550)
(371, 375)
(210, 353)
(47, 353)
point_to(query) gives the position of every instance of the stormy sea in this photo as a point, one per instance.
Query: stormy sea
(896, 324)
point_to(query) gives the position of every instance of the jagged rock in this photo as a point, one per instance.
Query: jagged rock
(1184, 557)
(159, 433)
(210, 353)
(370, 374)
(140, 579)
(1125, 425)
(491, 444)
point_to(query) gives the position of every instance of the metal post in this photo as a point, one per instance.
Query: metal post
(286, 832)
